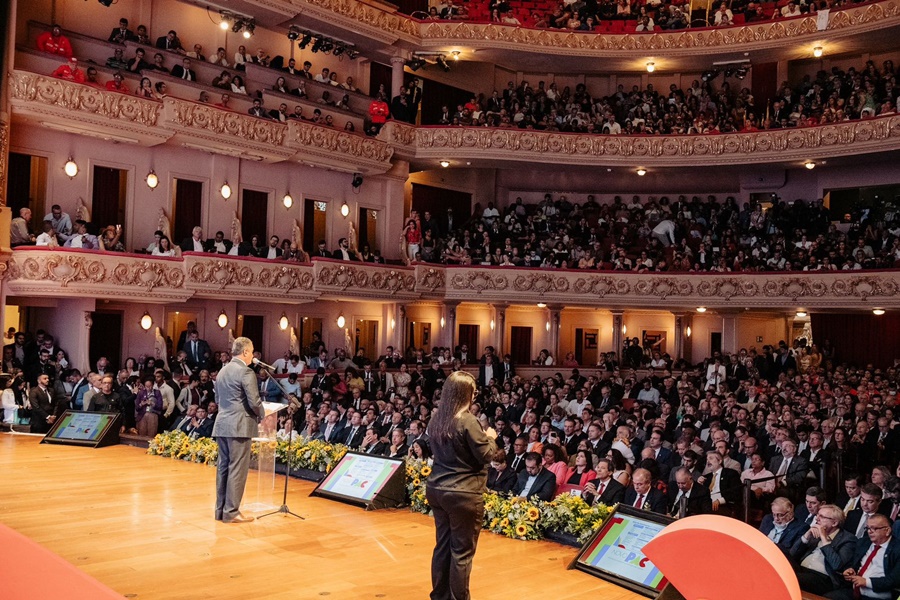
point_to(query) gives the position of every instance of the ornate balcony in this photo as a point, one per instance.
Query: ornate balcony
(62, 273)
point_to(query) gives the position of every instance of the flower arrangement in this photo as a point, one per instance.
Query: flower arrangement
(572, 515)
(179, 445)
(417, 472)
(314, 455)
(513, 517)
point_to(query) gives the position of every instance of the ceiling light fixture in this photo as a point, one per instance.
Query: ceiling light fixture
(445, 163)
(455, 54)
(877, 311)
(71, 168)
(541, 305)
(818, 51)
(651, 67)
(801, 314)
(701, 309)
(641, 171)
(810, 165)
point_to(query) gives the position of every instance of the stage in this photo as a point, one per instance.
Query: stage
(143, 525)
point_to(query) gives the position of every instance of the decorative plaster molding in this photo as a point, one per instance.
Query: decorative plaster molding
(380, 280)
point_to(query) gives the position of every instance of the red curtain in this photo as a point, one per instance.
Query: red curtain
(188, 202)
(520, 345)
(255, 215)
(106, 208)
(859, 339)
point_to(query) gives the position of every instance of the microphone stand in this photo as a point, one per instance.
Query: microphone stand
(284, 508)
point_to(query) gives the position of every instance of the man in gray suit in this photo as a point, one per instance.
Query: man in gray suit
(240, 410)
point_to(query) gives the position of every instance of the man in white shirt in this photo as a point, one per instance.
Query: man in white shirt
(219, 58)
(665, 232)
(876, 571)
(649, 393)
(273, 251)
(167, 393)
(824, 552)
(724, 16)
(195, 242)
(324, 76)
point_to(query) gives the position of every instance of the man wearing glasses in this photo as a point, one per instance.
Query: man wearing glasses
(875, 570)
(780, 526)
(824, 552)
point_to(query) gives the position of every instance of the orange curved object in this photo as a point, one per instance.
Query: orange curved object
(709, 557)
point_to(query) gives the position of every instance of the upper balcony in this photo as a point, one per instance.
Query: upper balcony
(142, 278)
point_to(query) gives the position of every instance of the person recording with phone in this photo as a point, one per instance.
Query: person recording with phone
(462, 449)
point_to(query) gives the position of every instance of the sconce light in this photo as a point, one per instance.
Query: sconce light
(492, 325)
(146, 321)
(152, 180)
(222, 320)
(287, 201)
(701, 309)
(283, 322)
(651, 67)
(624, 329)
(818, 51)
(455, 54)
(801, 314)
(70, 168)
(445, 163)
(443, 322)
(226, 190)
(345, 210)
(548, 326)
(341, 321)
(641, 171)
(687, 331)
(877, 311)
(393, 324)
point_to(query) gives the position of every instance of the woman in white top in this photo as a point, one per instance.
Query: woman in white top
(237, 85)
(163, 248)
(8, 402)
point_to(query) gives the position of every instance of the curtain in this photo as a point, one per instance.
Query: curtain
(107, 197)
(255, 215)
(858, 339)
(188, 203)
(520, 345)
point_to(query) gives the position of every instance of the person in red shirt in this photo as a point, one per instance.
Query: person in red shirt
(69, 71)
(55, 42)
(378, 113)
(116, 84)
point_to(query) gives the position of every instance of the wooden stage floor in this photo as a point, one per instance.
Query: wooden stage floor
(144, 526)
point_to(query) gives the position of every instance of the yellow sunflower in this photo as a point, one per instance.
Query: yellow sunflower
(504, 523)
(533, 514)
(416, 482)
(521, 530)
(426, 471)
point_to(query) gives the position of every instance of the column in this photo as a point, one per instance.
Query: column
(397, 64)
(450, 316)
(555, 321)
(678, 350)
(402, 328)
(687, 339)
(617, 322)
(500, 328)
(729, 331)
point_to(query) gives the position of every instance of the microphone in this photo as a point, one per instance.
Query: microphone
(256, 361)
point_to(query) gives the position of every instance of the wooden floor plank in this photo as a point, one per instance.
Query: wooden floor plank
(144, 526)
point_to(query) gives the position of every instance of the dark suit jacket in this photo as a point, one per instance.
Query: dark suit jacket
(796, 472)
(501, 482)
(654, 498)
(497, 374)
(354, 441)
(163, 43)
(337, 433)
(853, 517)
(504, 373)
(729, 485)
(203, 354)
(203, 430)
(178, 71)
(119, 38)
(838, 554)
(338, 255)
(544, 487)
(210, 245)
(613, 494)
(511, 459)
(792, 532)
(402, 451)
(41, 408)
(699, 502)
(891, 577)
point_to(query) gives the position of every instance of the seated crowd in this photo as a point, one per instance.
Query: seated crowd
(829, 97)
(659, 235)
(808, 448)
(228, 81)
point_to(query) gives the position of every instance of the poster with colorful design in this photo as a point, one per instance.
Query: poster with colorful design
(359, 476)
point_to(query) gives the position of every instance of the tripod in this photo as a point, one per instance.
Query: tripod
(284, 509)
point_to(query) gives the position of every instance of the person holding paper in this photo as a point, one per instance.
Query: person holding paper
(240, 410)
(462, 449)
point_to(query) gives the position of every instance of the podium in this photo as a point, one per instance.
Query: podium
(267, 442)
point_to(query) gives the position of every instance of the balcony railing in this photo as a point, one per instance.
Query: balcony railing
(62, 272)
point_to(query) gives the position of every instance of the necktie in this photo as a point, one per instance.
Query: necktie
(856, 592)
(712, 482)
(851, 504)
(600, 490)
(640, 501)
(861, 528)
(194, 346)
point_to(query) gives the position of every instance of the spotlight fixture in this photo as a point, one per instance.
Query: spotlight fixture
(701, 309)
(415, 63)
(741, 72)
(710, 74)
(106, 3)
(287, 200)
(327, 45)
(818, 51)
(801, 314)
(641, 171)
(152, 180)
(357, 180)
(810, 165)
(283, 322)
(729, 72)
(146, 321)
(345, 210)
(225, 190)
(341, 321)
(248, 31)
(317, 45)
(339, 50)
(238, 25)
(71, 168)
(304, 42)
(445, 163)
(651, 67)
(293, 33)
(877, 311)
(224, 24)
(455, 54)
(353, 54)
(442, 63)
(222, 320)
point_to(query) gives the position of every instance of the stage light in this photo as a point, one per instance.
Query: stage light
(442, 63)
(222, 320)
(283, 322)
(651, 67)
(152, 180)
(701, 309)
(357, 180)
(415, 63)
(541, 305)
(225, 190)
(710, 74)
(353, 54)
(293, 33)
(341, 321)
(238, 25)
(248, 33)
(801, 314)
(345, 210)
(303, 43)
(455, 54)
(877, 311)
(223, 24)
(339, 50)
(443, 322)
(810, 165)
(327, 46)
(317, 45)
(818, 51)
(70, 168)
(641, 171)
(741, 73)
(287, 201)
(445, 163)
(146, 321)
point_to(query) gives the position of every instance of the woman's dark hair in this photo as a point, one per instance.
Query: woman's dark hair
(426, 449)
(456, 395)
(588, 457)
(618, 460)
(554, 449)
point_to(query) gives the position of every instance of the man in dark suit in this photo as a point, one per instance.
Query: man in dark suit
(43, 405)
(218, 244)
(355, 432)
(790, 469)
(487, 372)
(516, 456)
(331, 430)
(507, 369)
(724, 484)
(780, 526)
(184, 71)
(870, 504)
(686, 498)
(198, 351)
(170, 41)
(201, 426)
(643, 495)
(343, 251)
(848, 500)
(239, 413)
(122, 34)
(535, 481)
(501, 478)
(397, 448)
(875, 570)
(661, 454)
(571, 438)
(807, 512)
(604, 489)
(824, 552)
(42, 366)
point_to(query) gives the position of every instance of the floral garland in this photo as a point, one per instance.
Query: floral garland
(315, 455)
(572, 515)
(417, 471)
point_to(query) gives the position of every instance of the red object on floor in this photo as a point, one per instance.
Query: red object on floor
(54, 578)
